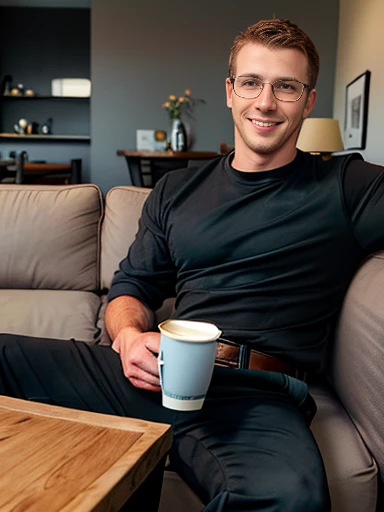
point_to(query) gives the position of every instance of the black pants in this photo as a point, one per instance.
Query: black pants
(248, 449)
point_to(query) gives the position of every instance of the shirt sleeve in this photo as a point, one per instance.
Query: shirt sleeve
(363, 191)
(147, 273)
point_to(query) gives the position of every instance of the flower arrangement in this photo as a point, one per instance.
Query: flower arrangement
(175, 106)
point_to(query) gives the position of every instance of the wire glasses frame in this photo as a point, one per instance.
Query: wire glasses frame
(252, 87)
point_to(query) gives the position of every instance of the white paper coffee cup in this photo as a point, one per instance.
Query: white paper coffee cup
(186, 360)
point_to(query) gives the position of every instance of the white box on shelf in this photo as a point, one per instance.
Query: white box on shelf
(145, 140)
(76, 87)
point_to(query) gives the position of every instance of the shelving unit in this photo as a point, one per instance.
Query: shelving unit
(38, 45)
(57, 47)
(30, 106)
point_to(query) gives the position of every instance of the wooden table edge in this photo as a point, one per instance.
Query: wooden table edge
(91, 418)
(157, 437)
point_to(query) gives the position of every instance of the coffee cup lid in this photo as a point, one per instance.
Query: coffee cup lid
(189, 330)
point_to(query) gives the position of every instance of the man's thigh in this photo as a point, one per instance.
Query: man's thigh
(253, 453)
(73, 374)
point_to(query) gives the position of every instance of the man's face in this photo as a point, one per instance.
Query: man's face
(278, 137)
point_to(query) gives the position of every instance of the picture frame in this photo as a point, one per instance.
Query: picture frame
(356, 112)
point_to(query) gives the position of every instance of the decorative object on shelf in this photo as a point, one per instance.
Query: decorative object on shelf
(160, 140)
(29, 92)
(46, 128)
(356, 112)
(177, 107)
(178, 136)
(75, 87)
(21, 126)
(32, 128)
(320, 136)
(6, 85)
(145, 140)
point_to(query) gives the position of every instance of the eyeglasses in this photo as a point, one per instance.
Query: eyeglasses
(249, 87)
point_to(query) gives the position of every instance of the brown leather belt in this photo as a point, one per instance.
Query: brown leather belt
(235, 355)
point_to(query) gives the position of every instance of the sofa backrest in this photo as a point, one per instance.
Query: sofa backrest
(122, 212)
(50, 237)
(357, 359)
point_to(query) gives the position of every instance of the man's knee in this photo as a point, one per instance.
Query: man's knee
(302, 493)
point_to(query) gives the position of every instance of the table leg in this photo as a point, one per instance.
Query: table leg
(147, 496)
(134, 170)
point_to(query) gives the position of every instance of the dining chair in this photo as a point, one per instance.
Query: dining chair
(20, 171)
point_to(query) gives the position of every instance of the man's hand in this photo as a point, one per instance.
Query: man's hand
(138, 353)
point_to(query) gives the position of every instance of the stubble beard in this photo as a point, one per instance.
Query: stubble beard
(263, 147)
(268, 144)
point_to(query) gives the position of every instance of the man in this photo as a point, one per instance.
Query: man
(263, 243)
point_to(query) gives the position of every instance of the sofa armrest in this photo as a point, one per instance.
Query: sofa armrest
(357, 358)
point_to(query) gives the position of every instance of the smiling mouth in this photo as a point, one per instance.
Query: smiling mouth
(260, 123)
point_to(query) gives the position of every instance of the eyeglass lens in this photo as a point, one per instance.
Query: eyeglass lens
(284, 90)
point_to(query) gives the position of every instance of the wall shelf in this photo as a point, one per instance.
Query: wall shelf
(37, 97)
(45, 138)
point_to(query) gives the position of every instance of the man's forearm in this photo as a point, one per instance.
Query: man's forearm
(127, 313)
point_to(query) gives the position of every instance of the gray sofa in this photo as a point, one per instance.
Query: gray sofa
(60, 246)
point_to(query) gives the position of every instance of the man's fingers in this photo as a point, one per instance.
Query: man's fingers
(143, 384)
(145, 360)
(140, 373)
(139, 359)
(153, 345)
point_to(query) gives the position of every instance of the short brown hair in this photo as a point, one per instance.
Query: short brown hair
(277, 33)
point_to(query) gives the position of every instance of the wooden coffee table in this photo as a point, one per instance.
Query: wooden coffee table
(54, 458)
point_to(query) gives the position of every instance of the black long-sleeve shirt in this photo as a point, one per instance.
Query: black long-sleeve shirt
(266, 256)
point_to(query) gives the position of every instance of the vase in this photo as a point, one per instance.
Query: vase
(178, 136)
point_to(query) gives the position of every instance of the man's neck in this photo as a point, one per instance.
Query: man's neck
(247, 160)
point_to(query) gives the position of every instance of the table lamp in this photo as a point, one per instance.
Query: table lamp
(321, 136)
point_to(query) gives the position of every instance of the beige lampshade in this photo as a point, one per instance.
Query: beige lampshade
(320, 135)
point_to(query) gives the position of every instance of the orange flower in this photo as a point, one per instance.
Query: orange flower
(176, 106)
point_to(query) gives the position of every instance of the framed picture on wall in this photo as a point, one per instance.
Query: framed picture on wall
(356, 112)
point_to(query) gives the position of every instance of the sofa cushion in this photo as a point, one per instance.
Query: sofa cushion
(122, 211)
(351, 470)
(358, 355)
(58, 314)
(177, 496)
(50, 236)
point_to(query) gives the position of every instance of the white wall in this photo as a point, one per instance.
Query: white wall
(361, 48)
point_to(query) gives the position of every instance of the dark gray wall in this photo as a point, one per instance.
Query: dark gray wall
(143, 51)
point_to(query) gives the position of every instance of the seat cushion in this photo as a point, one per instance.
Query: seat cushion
(61, 314)
(352, 472)
(177, 496)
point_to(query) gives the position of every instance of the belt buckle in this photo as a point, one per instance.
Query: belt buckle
(244, 353)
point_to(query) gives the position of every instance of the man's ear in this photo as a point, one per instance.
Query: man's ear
(229, 91)
(311, 100)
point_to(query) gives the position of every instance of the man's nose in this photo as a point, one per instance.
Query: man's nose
(266, 99)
